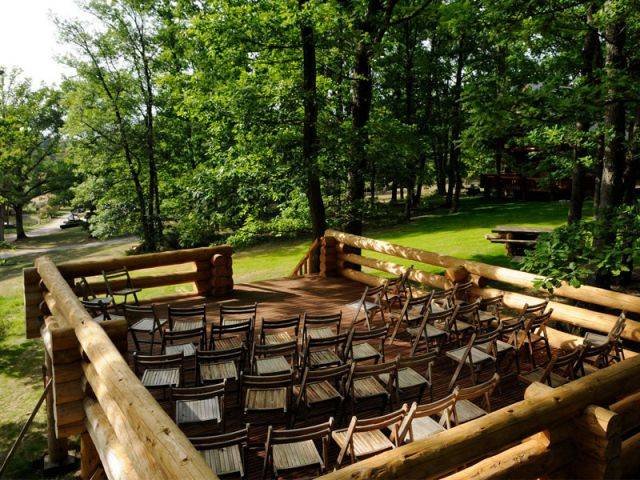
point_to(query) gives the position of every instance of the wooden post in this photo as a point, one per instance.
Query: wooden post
(89, 459)
(328, 257)
(57, 448)
(221, 275)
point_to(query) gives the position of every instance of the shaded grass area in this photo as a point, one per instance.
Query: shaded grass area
(460, 234)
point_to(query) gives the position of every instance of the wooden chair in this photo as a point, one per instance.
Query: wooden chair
(185, 342)
(358, 348)
(267, 393)
(364, 384)
(535, 334)
(480, 350)
(292, 450)
(273, 332)
(370, 304)
(592, 358)
(199, 405)
(443, 299)
(529, 311)
(419, 423)
(364, 437)
(561, 369)
(509, 342)
(230, 314)
(230, 336)
(99, 311)
(411, 314)
(274, 359)
(490, 311)
(90, 299)
(159, 372)
(464, 410)
(398, 289)
(120, 275)
(321, 387)
(614, 339)
(320, 326)
(226, 454)
(187, 318)
(414, 375)
(462, 293)
(144, 319)
(324, 352)
(461, 326)
(428, 332)
(215, 366)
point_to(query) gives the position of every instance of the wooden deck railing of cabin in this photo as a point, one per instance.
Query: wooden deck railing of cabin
(479, 272)
(305, 265)
(125, 432)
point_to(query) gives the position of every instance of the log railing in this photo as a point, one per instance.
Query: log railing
(573, 431)
(125, 432)
(305, 265)
(211, 273)
(562, 312)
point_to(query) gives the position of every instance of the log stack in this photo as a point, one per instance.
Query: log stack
(329, 257)
(221, 275)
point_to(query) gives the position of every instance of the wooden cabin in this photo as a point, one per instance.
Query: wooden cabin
(587, 427)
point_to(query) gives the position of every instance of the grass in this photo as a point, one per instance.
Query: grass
(460, 234)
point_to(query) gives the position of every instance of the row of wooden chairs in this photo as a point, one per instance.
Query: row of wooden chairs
(294, 449)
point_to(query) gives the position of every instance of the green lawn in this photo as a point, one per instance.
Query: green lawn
(460, 234)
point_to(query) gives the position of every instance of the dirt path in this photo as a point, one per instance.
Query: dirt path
(47, 229)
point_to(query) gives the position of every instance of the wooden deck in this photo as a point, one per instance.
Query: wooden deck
(290, 296)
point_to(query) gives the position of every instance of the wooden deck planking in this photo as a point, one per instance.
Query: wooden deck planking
(282, 298)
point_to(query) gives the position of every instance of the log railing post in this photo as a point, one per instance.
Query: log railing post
(328, 257)
(221, 275)
(57, 448)
(89, 459)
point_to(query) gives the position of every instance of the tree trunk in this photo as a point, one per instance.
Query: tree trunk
(20, 233)
(3, 209)
(310, 129)
(590, 54)
(614, 120)
(394, 192)
(455, 174)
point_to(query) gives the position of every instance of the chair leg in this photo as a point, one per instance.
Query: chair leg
(153, 341)
(135, 340)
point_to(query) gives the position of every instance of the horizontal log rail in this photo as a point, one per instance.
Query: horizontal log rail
(585, 293)
(562, 312)
(155, 446)
(581, 317)
(204, 275)
(304, 266)
(502, 429)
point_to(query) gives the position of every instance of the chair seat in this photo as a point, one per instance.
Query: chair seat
(99, 301)
(407, 378)
(368, 387)
(288, 456)
(436, 307)
(224, 461)
(319, 392)
(364, 351)
(596, 339)
(501, 347)
(227, 343)
(266, 399)
(161, 377)
(127, 291)
(321, 332)
(272, 366)
(431, 331)
(366, 305)
(466, 411)
(535, 337)
(147, 325)
(324, 358)
(100, 318)
(536, 374)
(277, 338)
(218, 371)
(425, 427)
(183, 325)
(477, 356)
(364, 443)
(188, 349)
(192, 411)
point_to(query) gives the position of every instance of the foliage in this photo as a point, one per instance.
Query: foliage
(569, 254)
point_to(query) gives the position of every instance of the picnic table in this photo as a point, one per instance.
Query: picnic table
(516, 238)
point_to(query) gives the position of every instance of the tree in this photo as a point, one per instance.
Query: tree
(30, 159)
